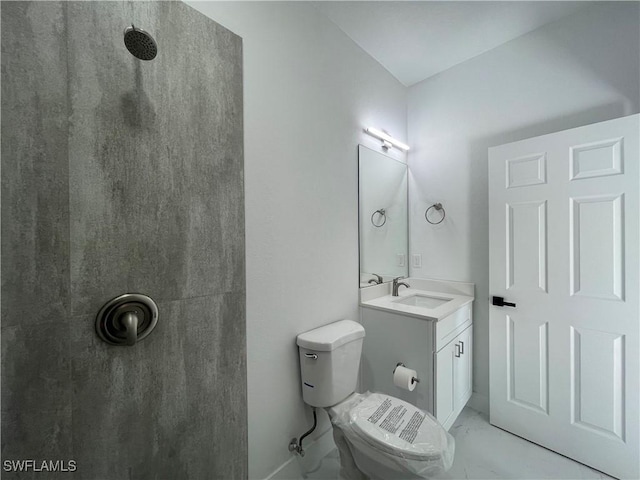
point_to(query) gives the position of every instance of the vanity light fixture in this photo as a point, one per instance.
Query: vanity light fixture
(387, 140)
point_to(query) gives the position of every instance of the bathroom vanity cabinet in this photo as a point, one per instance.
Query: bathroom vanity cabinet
(440, 350)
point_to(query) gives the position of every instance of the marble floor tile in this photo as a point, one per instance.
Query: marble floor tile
(486, 452)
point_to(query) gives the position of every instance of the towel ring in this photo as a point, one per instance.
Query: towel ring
(383, 214)
(438, 207)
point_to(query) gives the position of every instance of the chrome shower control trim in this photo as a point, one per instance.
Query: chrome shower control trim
(127, 319)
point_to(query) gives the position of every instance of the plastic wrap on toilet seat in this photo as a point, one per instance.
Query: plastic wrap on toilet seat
(395, 433)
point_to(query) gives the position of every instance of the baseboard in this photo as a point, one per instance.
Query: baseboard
(479, 403)
(289, 470)
(296, 466)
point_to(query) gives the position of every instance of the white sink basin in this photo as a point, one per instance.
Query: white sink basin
(424, 301)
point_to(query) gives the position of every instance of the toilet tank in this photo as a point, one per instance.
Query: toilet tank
(329, 362)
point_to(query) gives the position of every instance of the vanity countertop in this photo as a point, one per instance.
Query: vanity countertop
(431, 300)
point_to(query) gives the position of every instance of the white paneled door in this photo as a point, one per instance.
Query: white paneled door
(563, 214)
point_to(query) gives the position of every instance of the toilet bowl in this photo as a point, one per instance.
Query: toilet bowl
(378, 436)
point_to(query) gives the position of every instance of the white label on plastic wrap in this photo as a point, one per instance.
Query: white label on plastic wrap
(398, 420)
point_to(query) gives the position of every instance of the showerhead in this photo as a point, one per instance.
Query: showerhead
(140, 43)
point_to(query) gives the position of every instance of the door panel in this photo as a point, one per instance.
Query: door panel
(527, 364)
(597, 382)
(596, 257)
(564, 247)
(526, 255)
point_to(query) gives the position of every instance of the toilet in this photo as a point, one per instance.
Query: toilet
(379, 437)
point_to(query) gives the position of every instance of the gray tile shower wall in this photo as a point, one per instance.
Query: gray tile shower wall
(153, 149)
(35, 164)
(121, 175)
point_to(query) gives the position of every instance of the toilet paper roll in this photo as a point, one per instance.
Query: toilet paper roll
(403, 378)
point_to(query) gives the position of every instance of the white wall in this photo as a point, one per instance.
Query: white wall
(308, 93)
(577, 71)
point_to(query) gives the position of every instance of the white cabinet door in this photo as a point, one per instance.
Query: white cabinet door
(564, 248)
(453, 377)
(462, 380)
(445, 396)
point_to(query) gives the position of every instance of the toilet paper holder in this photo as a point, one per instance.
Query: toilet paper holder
(400, 364)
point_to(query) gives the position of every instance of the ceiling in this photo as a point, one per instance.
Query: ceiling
(417, 39)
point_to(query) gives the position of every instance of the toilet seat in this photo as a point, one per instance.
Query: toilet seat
(424, 442)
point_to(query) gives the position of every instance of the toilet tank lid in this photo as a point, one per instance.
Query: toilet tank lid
(329, 337)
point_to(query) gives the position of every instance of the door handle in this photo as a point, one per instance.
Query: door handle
(457, 348)
(499, 302)
(461, 347)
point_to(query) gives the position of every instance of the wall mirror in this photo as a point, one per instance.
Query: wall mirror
(383, 219)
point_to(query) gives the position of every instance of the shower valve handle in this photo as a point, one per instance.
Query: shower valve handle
(126, 320)
(130, 322)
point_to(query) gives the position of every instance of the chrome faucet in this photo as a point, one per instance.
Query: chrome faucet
(377, 280)
(397, 285)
